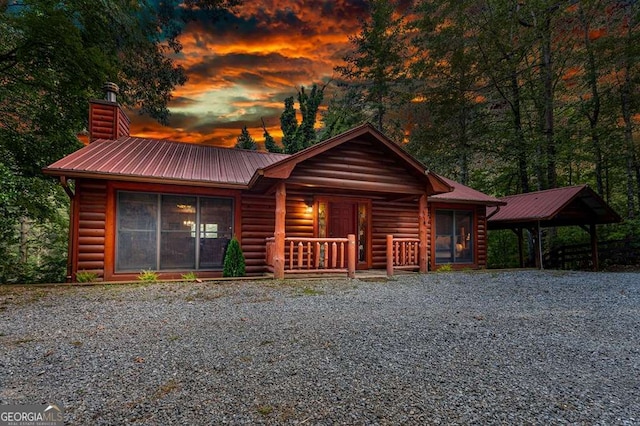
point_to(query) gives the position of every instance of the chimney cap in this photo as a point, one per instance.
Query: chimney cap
(111, 90)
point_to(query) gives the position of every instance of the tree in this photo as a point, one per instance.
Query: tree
(624, 49)
(298, 137)
(447, 84)
(269, 143)
(309, 104)
(376, 66)
(345, 111)
(234, 261)
(54, 56)
(289, 125)
(503, 46)
(245, 141)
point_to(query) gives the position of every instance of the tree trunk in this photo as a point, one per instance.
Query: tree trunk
(548, 93)
(593, 115)
(521, 151)
(625, 103)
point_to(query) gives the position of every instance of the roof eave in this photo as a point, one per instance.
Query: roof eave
(459, 201)
(141, 179)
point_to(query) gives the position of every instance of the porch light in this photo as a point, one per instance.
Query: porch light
(309, 202)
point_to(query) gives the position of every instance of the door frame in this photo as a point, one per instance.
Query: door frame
(317, 200)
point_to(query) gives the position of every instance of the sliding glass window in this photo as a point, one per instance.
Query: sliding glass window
(454, 236)
(171, 232)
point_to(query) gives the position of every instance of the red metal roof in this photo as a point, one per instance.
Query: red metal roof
(464, 194)
(152, 159)
(561, 206)
(149, 160)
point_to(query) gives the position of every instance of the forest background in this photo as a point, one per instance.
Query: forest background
(501, 95)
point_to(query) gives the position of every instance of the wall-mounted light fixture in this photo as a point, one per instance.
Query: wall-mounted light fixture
(309, 202)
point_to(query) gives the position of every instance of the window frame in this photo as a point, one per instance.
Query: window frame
(454, 260)
(158, 231)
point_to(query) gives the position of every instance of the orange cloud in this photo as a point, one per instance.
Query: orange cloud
(241, 68)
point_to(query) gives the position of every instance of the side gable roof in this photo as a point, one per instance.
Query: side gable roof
(283, 168)
(464, 194)
(573, 205)
(147, 160)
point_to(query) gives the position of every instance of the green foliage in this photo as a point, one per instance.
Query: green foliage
(298, 137)
(345, 111)
(245, 141)
(509, 99)
(502, 249)
(148, 276)
(309, 104)
(234, 262)
(289, 125)
(54, 56)
(86, 276)
(190, 276)
(270, 143)
(447, 267)
(630, 228)
(376, 66)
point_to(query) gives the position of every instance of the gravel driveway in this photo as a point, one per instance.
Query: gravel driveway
(524, 347)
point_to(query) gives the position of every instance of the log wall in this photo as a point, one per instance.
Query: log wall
(258, 223)
(90, 223)
(399, 219)
(358, 165)
(481, 237)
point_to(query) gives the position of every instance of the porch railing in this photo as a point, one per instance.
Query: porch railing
(315, 255)
(336, 255)
(402, 253)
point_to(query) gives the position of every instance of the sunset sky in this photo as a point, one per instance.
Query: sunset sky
(243, 67)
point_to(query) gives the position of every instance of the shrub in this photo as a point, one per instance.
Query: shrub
(86, 276)
(190, 276)
(148, 276)
(234, 264)
(445, 268)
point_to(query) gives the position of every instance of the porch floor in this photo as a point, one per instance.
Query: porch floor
(369, 274)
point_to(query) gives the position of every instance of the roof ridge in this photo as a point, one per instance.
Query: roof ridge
(562, 188)
(123, 139)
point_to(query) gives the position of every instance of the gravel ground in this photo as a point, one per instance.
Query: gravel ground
(525, 347)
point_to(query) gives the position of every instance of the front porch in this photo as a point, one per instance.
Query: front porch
(321, 256)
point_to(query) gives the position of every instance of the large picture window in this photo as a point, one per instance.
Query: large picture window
(454, 236)
(171, 232)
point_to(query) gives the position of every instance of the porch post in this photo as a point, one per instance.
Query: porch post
(594, 246)
(422, 232)
(279, 232)
(389, 255)
(351, 256)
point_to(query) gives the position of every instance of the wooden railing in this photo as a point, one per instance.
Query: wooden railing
(402, 253)
(579, 256)
(335, 255)
(315, 255)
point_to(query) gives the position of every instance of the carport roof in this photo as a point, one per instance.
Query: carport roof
(573, 205)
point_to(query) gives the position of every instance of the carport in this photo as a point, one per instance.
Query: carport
(569, 206)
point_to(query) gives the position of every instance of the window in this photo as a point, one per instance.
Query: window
(158, 231)
(454, 236)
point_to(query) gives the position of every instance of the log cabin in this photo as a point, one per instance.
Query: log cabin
(357, 201)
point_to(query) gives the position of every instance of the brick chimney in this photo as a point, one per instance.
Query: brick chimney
(107, 120)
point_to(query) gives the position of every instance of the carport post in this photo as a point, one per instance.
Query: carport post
(540, 245)
(594, 247)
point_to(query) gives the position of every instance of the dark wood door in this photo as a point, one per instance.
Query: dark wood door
(342, 219)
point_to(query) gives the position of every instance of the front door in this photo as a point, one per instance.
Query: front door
(349, 217)
(342, 219)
